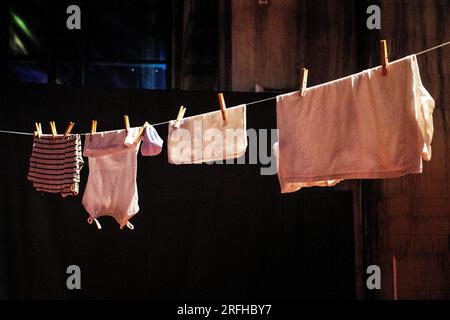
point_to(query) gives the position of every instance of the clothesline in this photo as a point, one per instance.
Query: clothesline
(247, 104)
(433, 48)
(154, 125)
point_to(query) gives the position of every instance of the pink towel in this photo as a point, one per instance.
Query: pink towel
(207, 137)
(365, 126)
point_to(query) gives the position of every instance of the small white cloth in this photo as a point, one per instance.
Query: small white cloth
(207, 137)
(365, 126)
(111, 189)
(151, 142)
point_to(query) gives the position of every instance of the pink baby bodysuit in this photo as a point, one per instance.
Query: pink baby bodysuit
(111, 189)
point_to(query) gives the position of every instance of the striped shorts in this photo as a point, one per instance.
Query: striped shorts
(55, 164)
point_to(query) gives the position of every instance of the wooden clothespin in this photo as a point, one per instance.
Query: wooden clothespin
(384, 57)
(126, 122)
(53, 128)
(141, 132)
(93, 126)
(223, 106)
(303, 81)
(38, 129)
(180, 116)
(69, 129)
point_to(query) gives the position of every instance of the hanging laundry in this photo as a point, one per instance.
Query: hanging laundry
(298, 185)
(207, 137)
(111, 188)
(55, 164)
(365, 126)
(151, 142)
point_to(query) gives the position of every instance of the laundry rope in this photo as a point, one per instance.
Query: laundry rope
(16, 132)
(247, 104)
(434, 48)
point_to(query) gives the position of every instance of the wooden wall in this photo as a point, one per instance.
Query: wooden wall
(407, 216)
(412, 213)
(270, 44)
(264, 44)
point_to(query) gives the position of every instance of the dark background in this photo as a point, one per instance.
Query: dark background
(203, 231)
(274, 245)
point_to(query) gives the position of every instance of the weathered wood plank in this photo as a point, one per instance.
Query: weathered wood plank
(271, 44)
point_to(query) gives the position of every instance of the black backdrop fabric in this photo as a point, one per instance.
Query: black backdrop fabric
(202, 232)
